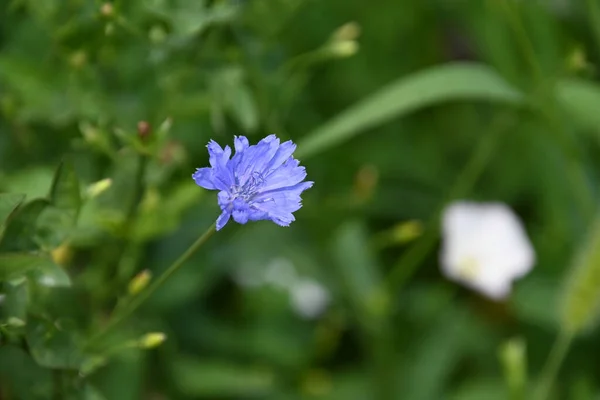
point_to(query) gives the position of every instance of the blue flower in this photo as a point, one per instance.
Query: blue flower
(261, 181)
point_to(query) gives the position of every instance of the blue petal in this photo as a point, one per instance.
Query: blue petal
(280, 204)
(240, 143)
(222, 220)
(256, 158)
(204, 178)
(284, 152)
(218, 158)
(240, 216)
(224, 199)
(288, 175)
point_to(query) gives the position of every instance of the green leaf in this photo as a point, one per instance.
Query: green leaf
(15, 303)
(581, 100)
(218, 378)
(40, 268)
(21, 230)
(21, 376)
(58, 220)
(52, 347)
(9, 203)
(450, 82)
(65, 193)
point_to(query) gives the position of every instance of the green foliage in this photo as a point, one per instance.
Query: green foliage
(397, 108)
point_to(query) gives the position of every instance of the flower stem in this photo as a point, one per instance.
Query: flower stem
(557, 355)
(137, 301)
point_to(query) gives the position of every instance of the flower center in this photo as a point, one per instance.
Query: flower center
(249, 188)
(469, 268)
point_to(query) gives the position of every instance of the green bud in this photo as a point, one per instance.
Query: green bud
(139, 282)
(97, 188)
(152, 340)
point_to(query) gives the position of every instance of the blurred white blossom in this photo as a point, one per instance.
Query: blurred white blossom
(485, 247)
(280, 272)
(309, 298)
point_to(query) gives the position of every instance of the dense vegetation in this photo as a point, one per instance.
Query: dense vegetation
(398, 108)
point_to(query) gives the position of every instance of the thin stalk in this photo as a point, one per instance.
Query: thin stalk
(137, 301)
(550, 110)
(594, 15)
(557, 355)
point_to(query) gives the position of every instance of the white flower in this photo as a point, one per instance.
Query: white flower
(309, 298)
(485, 247)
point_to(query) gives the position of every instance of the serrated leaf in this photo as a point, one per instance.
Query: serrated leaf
(450, 82)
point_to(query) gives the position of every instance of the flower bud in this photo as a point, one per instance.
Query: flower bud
(139, 282)
(343, 49)
(62, 255)
(97, 188)
(144, 129)
(407, 231)
(348, 31)
(107, 10)
(513, 358)
(152, 340)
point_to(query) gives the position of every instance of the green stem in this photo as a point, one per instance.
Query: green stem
(557, 355)
(550, 109)
(137, 301)
(594, 15)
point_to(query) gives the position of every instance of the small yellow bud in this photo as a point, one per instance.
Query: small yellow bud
(407, 231)
(97, 188)
(62, 254)
(107, 10)
(348, 31)
(152, 340)
(345, 48)
(139, 282)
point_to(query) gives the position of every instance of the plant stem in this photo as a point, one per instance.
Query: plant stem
(137, 301)
(557, 355)
(594, 15)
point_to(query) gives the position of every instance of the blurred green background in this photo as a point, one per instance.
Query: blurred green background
(398, 107)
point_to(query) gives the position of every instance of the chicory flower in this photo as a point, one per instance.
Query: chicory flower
(260, 182)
